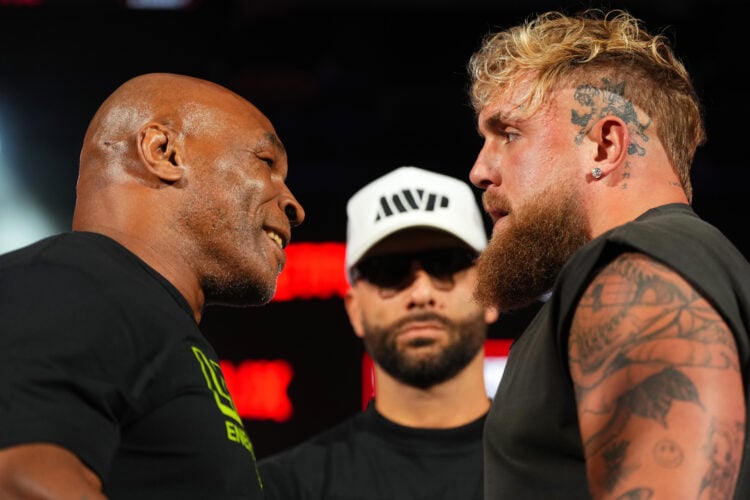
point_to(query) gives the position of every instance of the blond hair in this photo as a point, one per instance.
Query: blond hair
(556, 50)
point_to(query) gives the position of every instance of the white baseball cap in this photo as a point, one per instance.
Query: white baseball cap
(411, 197)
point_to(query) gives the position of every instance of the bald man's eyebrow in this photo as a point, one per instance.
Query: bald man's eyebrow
(271, 138)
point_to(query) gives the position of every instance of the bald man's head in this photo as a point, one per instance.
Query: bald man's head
(182, 103)
(194, 175)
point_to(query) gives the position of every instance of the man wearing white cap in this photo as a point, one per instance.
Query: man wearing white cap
(412, 240)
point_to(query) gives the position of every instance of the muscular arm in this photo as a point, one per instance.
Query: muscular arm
(46, 471)
(658, 386)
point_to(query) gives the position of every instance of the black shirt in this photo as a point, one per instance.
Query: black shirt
(368, 457)
(101, 355)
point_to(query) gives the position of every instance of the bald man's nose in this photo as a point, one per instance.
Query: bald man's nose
(294, 212)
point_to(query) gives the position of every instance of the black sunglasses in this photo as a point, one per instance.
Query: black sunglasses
(395, 271)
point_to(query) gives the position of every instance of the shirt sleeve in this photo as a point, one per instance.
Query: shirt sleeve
(60, 363)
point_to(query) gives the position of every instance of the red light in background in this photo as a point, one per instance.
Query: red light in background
(259, 388)
(368, 379)
(495, 356)
(312, 271)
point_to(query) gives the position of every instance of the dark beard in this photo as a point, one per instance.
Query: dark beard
(423, 372)
(236, 293)
(522, 261)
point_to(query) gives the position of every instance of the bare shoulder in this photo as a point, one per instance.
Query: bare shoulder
(636, 300)
(46, 471)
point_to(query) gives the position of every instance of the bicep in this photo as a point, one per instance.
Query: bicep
(45, 471)
(658, 385)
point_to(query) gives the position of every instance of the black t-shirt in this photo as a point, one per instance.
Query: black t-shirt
(368, 457)
(101, 355)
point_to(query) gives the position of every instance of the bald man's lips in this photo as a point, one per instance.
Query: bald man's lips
(279, 242)
(278, 235)
(275, 238)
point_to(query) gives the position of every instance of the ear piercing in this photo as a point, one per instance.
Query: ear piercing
(596, 172)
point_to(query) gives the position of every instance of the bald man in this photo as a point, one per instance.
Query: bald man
(107, 387)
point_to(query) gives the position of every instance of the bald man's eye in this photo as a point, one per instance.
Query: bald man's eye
(268, 161)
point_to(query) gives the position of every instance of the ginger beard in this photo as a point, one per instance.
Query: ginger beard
(421, 363)
(525, 255)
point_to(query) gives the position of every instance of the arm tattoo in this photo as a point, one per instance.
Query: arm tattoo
(651, 399)
(719, 479)
(631, 306)
(614, 463)
(667, 453)
(639, 325)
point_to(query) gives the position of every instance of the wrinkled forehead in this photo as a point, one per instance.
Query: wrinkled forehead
(233, 117)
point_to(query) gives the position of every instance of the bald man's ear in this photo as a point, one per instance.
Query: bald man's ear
(158, 150)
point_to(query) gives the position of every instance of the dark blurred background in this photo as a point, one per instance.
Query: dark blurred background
(354, 89)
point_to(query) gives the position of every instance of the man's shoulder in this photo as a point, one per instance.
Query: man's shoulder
(340, 436)
(69, 249)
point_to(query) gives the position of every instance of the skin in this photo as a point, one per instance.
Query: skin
(454, 402)
(658, 386)
(190, 177)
